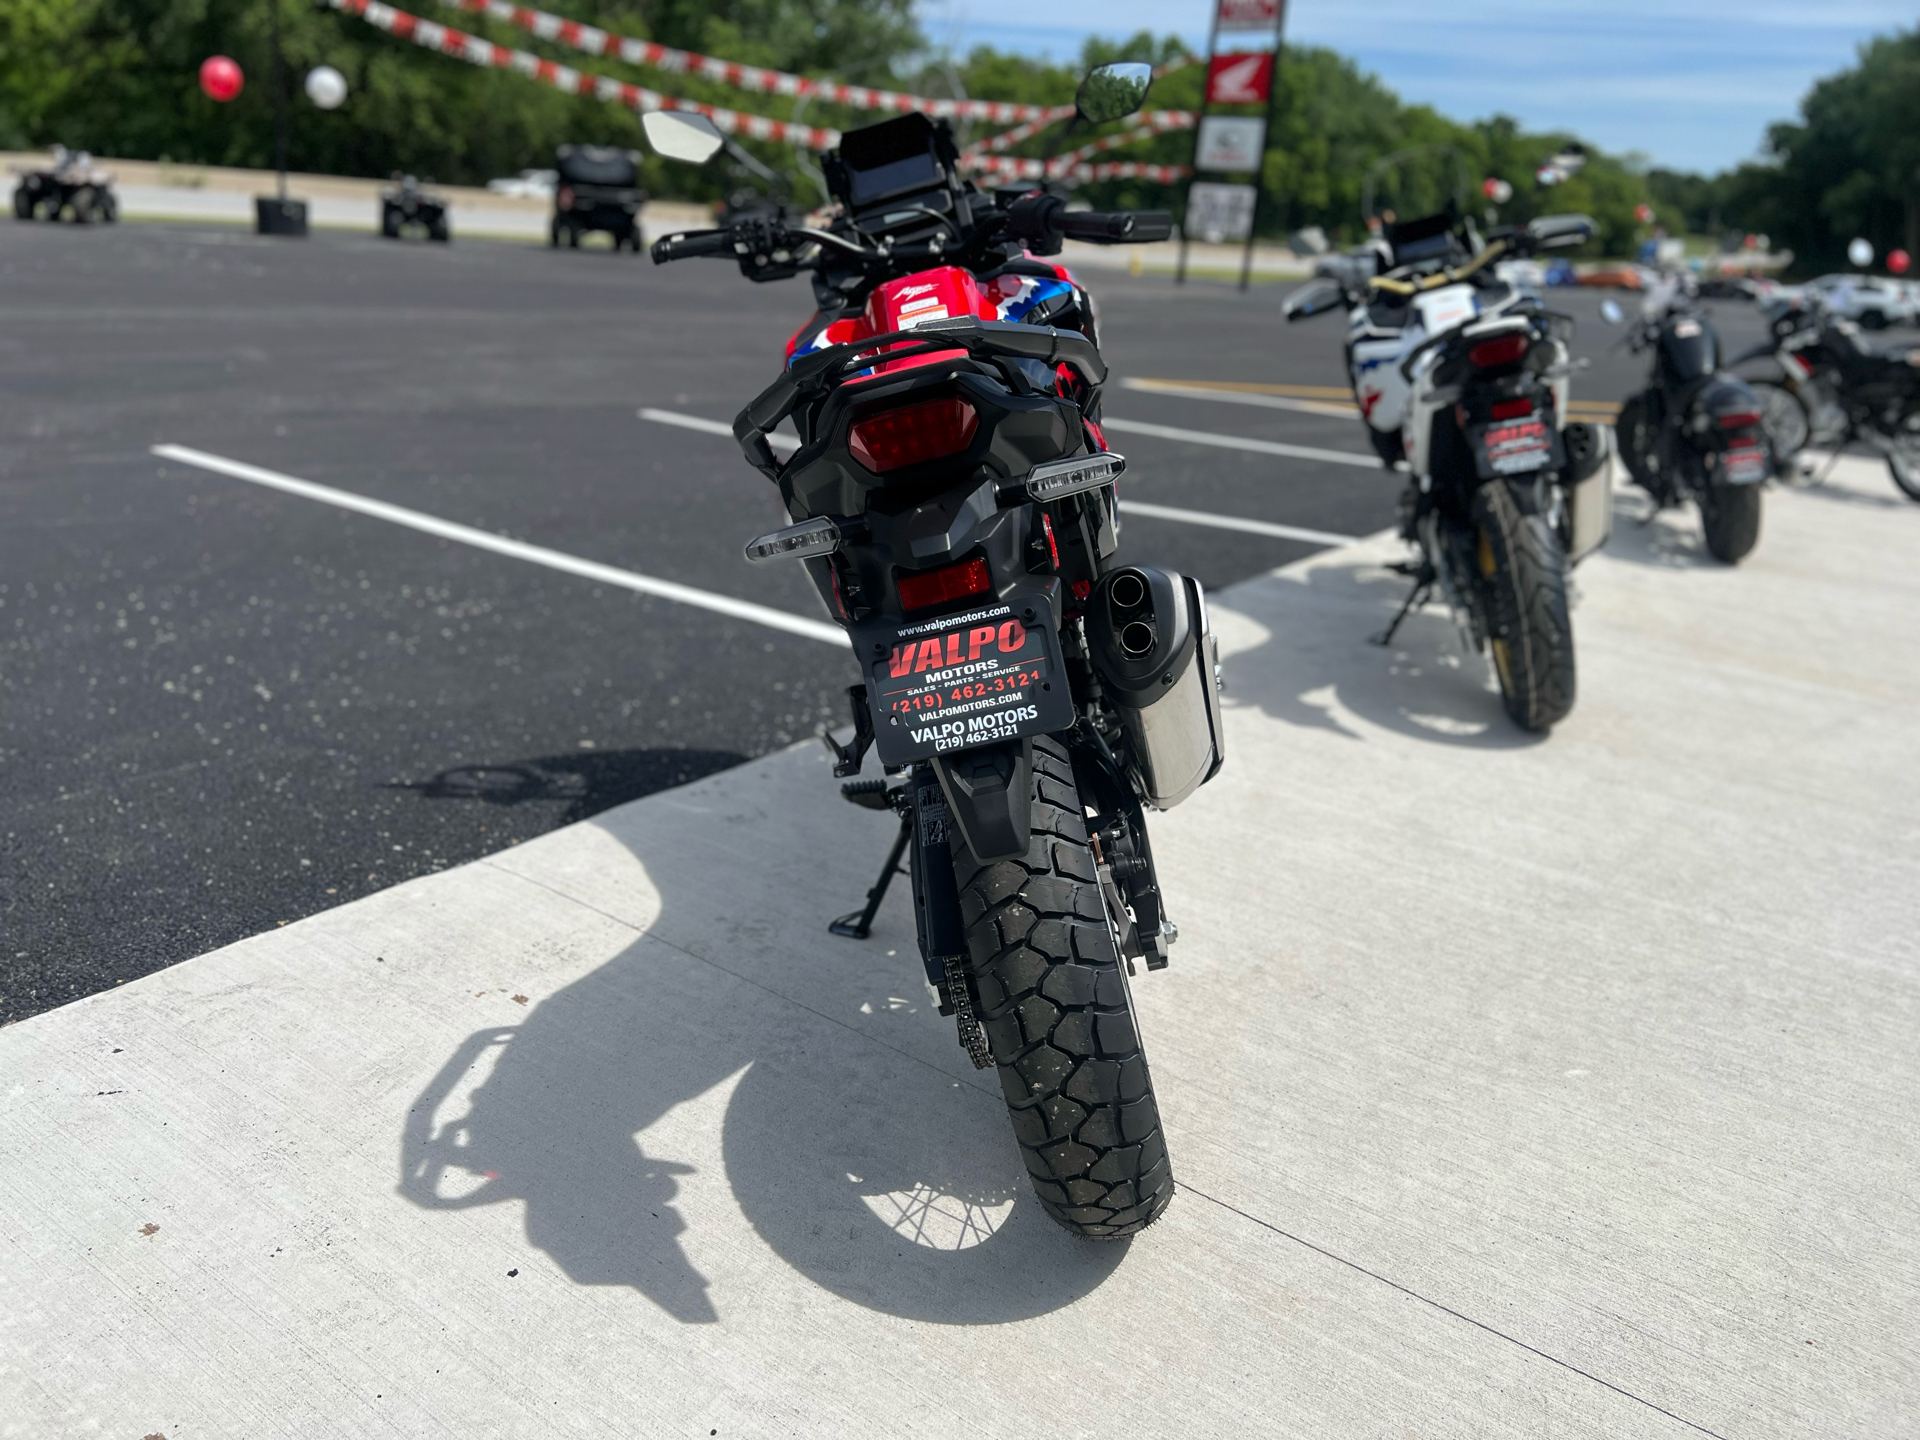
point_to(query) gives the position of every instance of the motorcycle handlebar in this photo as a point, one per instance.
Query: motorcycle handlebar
(689, 243)
(1114, 227)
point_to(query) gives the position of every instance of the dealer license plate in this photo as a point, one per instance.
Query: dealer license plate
(1512, 447)
(1745, 466)
(965, 680)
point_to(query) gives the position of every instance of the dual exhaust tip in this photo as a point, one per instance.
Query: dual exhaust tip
(1131, 607)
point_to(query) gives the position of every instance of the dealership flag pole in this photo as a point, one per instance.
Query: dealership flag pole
(1206, 87)
(1260, 175)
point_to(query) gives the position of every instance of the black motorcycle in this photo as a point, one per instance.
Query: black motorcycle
(1028, 696)
(1696, 431)
(1826, 386)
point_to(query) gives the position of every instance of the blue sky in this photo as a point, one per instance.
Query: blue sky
(1690, 83)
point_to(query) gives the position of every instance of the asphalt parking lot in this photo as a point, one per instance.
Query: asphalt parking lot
(223, 707)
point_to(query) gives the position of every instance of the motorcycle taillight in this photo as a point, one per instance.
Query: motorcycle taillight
(894, 439)
(1511, 409)
(1737, 420)
(1502, 350)
(950, 582)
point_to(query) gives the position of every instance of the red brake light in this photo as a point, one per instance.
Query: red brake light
(1738, 420)
(913, 433)
(952, 582)
(1512, 409)
(1503, 350)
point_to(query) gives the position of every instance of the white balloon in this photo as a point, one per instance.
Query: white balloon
(326, 87)
(1860, 252)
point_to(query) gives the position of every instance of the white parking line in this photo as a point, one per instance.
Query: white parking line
(513, 549)
(709, 427)
(1241, 442)
(1331, 408)
(1231, 522)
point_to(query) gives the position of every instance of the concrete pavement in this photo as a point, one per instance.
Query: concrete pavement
(1514, 1087)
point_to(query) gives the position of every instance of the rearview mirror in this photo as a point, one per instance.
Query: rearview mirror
(1611, 312)
(682, 135)
(1110, 91)
(1316, 297)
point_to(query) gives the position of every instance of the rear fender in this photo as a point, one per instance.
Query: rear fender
(989, 793)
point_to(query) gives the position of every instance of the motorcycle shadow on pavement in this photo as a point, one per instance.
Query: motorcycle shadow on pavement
(1317, 665)
(1671, 538)
(856, 1141)
(584, 783)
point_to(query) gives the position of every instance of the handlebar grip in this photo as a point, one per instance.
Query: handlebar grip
(689, 243)
(1115, 227)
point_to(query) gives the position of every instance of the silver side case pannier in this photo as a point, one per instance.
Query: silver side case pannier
(1586, 489)
(1155, 654)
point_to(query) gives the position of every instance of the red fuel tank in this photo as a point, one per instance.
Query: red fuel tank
(913, 300)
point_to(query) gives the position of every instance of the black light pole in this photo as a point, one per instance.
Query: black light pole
(279, 83)
(1266, 142)
(276, 214)
(1206, 97)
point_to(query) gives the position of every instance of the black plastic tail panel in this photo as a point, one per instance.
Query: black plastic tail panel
(990, 795)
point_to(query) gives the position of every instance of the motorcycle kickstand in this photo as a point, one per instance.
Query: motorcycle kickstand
(859, 924)
(1833, 460)
(1419, 595)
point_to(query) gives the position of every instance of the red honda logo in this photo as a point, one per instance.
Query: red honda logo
(1239, 79)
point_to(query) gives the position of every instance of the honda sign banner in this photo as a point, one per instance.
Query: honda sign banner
(1247, 17)
(1243, 71)
(1217, 213)
(1231, 142)
(1240, 79)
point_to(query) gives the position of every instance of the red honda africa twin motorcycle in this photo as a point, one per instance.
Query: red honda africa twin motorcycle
(1028, 696)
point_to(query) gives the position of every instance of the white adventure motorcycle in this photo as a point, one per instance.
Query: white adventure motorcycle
(1462, 378)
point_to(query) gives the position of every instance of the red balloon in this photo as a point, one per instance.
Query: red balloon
(220, 78)
(1898, 261)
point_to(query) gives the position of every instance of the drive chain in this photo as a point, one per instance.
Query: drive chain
(972, 1038)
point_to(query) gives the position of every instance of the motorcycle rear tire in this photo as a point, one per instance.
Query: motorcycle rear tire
(1903, 464)
(1053, 999)
(1784, 417)
(1631, 431)
(1730, 516)
(1523, 575)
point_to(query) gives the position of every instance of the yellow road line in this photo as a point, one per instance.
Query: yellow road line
(1582, 409)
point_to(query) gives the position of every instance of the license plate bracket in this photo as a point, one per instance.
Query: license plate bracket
(1745, 466)
(956, 682)
(1514, 447)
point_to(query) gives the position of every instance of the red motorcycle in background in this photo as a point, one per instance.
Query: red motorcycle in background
(1028, 696)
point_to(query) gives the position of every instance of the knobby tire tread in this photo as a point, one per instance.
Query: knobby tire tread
(1054, 1003)
(1527, 605)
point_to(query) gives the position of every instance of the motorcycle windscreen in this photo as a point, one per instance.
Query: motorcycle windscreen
(1515, 447)
(959, 681)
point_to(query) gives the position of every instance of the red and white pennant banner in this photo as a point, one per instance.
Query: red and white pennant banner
(1009, 167)
(594, 41)
(476, 51)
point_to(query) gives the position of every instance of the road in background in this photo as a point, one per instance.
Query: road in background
(223, 707)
